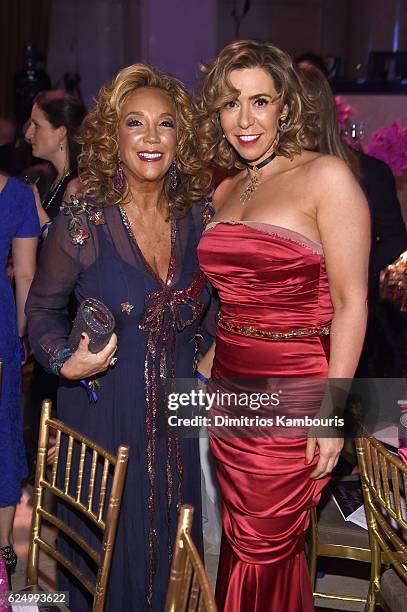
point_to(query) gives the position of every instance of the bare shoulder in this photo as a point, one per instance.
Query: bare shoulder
(329, 169)
(330, 181)
(223, 190)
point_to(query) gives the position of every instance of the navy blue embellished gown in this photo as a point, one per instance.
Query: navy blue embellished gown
(98, 257)
(19, 219)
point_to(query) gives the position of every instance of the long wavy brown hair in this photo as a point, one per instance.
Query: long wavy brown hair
(326, 118)
(98, 160)
(216, 91)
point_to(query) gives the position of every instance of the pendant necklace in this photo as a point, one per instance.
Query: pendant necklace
(254, 178)
(53, 192)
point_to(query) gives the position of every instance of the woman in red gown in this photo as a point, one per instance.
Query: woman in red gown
(288, 251)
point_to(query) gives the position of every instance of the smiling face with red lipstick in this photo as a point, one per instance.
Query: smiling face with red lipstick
(147, 134)
(140, 141)
(250, 120)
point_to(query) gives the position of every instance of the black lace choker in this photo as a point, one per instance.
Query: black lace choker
(263, 163)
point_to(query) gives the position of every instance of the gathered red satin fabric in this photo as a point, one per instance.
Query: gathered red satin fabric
(273, 279)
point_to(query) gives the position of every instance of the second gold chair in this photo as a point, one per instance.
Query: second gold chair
(188, 588)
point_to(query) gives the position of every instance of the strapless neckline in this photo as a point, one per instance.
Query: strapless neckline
(274, 230)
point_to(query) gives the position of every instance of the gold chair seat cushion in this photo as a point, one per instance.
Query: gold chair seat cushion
(393, 590)
(333, 529)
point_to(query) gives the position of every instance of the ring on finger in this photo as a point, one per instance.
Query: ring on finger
(113, 362)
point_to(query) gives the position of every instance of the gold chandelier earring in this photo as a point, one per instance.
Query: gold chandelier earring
(283, 123)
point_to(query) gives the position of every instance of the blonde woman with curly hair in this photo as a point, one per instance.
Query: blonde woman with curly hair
(130, 241)
(288, 251)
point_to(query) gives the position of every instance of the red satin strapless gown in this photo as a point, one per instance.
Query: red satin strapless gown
(272, 279)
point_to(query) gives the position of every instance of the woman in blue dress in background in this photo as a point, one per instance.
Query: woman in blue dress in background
(19, 229)
(131, 243)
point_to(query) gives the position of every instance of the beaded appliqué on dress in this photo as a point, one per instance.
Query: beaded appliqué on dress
(74, 210)
(127, 307)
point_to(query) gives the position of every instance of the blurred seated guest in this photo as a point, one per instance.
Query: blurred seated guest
(389, 235)
(56, 117)
(131, 243)
(19, 230)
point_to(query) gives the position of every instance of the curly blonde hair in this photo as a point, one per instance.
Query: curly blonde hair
(216, 90)
(100, 149)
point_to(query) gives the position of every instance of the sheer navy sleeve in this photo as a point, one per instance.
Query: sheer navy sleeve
(59, 267)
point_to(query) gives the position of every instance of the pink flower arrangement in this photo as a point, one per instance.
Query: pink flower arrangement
(390, 145)
(345, 111)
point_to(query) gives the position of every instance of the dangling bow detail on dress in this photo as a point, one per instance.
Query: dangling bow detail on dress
(166, 310)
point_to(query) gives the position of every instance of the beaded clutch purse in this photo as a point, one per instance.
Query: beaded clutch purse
(95, 319)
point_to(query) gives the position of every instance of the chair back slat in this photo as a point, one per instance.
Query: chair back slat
(81, 467)
(385, 479)
(103, 487)
(91, 488)
(68, 465)
(56, 457)
(194, 595)
(377, 475)
(396, 491)
(68, 484)
(186, 584)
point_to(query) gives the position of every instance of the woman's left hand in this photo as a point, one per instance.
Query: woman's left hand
(329, 451)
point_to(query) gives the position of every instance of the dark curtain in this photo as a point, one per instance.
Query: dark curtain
(21, 22)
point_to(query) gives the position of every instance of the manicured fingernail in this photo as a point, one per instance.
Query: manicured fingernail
(305, 461)
(83, 336)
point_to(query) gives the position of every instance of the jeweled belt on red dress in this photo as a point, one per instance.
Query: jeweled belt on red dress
(255, 332)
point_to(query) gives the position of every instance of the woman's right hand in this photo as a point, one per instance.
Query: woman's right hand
(83, 363)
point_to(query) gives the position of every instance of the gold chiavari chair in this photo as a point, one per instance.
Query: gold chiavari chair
(331, 536)
(102, 511)
(188, 588)
(384, 485)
